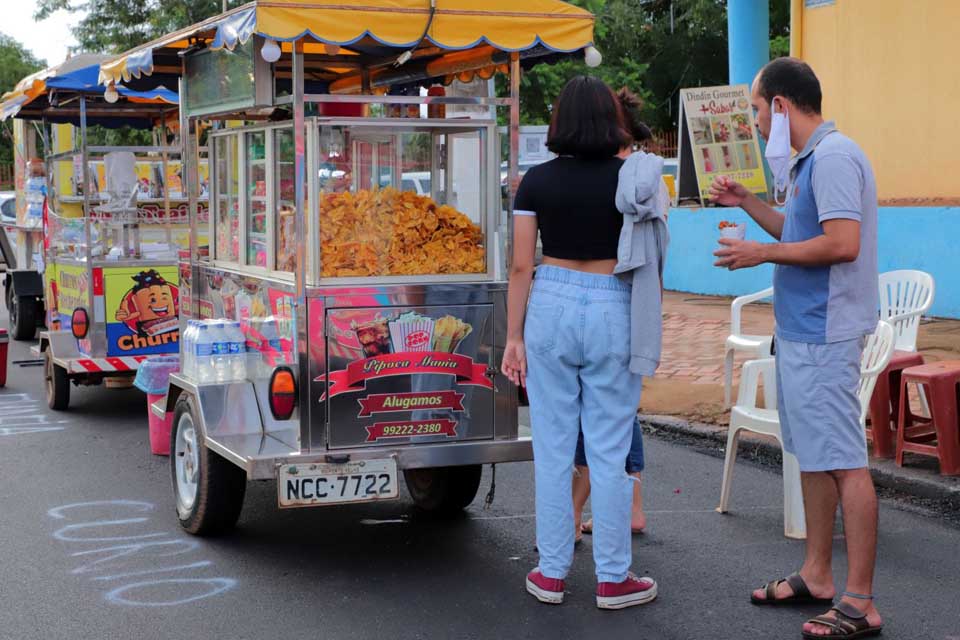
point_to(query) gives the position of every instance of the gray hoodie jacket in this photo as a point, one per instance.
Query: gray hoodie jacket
(643, 200)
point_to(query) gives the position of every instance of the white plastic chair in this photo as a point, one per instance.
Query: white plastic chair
(747, 416)
(755, 346)
(905, 296)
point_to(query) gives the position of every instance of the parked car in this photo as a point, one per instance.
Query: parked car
(8, 207)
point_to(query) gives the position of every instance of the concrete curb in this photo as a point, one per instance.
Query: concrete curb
(886, 474)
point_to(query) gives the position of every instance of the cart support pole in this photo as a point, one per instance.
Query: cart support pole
(86, 209)
(191, 178)
(514, 167)
(300, 303)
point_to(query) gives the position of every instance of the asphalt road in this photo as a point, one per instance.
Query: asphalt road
(90, 548)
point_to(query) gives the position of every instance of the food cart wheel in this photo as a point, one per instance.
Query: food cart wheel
(443, 489)
(23, 317)
(208, 488)
(56, 382)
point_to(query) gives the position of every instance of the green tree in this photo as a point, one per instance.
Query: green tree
(655, 48)
(113, 26)
(15, 64)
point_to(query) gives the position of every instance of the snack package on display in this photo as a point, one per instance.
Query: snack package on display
(411, 332)
(373, 336)
(390, 232)
(448, 333)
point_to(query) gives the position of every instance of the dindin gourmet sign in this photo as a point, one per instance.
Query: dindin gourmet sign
(718, 137)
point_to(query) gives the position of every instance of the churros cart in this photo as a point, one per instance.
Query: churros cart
(103, 234)
(357, 235)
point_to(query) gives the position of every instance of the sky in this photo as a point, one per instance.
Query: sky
(47, 40)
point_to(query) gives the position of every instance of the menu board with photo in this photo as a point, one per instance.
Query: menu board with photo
(717, 137)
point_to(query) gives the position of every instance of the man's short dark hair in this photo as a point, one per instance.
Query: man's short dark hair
(793, 79)
(587, 121)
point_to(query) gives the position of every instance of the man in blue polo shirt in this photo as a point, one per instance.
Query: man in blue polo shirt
(825, 302)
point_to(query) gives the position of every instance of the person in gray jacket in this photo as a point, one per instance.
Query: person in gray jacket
(643, 179)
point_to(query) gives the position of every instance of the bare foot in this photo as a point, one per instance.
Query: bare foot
(873, 617)
(819, 588)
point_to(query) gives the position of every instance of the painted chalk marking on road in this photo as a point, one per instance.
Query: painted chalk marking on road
(116, 562)
(21, 414)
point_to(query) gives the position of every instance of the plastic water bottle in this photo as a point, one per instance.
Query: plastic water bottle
(202, 358)
(237, 344)
(186, 349)
(221, 351)
(271, 338)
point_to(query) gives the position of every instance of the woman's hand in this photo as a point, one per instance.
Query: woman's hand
(514, 364)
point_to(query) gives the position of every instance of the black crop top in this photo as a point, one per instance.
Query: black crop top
(574, 201)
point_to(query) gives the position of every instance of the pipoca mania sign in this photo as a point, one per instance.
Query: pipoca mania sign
(354, 377)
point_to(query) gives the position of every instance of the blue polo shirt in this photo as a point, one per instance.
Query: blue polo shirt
(831, 178)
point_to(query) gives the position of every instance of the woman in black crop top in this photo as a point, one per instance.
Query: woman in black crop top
(568, 341)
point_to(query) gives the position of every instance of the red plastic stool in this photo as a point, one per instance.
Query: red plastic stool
(915, 433)
(885, 407)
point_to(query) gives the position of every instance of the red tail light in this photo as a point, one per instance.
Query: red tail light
(283, 393)
(80, 323)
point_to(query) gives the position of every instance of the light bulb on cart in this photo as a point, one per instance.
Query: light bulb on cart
(270, 51)
(592, 57)
(111, 94)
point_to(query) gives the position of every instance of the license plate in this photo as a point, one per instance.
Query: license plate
(304, 485)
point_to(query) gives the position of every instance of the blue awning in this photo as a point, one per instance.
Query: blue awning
(85, 81)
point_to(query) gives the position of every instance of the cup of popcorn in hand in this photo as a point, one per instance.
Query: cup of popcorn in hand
(733, 230)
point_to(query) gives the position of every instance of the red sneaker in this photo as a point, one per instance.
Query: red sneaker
(548, 590)
(629, 593)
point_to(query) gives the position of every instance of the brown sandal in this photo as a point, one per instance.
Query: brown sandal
(587, 528)
(801, 594)
(849, 623)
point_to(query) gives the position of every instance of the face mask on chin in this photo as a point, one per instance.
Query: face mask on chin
(778, 152)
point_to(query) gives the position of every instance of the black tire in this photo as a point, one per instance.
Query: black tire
(23, 317)
(56, 383)
(220, 484)
(443, 490)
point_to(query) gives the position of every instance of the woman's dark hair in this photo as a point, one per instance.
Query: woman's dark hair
(632, 104)
(793, 79)
(587, 121)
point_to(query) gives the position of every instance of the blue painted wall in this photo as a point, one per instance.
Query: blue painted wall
(924, 238)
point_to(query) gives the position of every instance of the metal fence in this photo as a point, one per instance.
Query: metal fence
(664, 144)
(6, 176)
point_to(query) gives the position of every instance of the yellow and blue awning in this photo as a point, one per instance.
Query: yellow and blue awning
(363, 26)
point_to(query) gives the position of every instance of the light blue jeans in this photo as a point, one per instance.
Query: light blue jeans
(577, 337)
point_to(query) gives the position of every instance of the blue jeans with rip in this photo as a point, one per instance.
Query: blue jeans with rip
(635, 460)
(577, 337)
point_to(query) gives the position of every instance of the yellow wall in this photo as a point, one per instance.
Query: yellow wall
(887, 68)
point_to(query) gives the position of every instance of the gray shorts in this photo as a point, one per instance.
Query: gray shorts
(818, 404)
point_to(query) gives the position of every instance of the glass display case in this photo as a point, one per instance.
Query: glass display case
(226, 203)
(405, 198)
(256, 189)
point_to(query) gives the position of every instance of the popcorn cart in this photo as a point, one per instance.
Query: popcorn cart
(101, 227)
(358, 240)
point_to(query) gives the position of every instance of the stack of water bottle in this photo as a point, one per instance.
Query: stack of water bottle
(216, 351)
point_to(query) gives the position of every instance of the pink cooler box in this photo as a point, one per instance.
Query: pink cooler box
(159, 427)
(4, 345)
